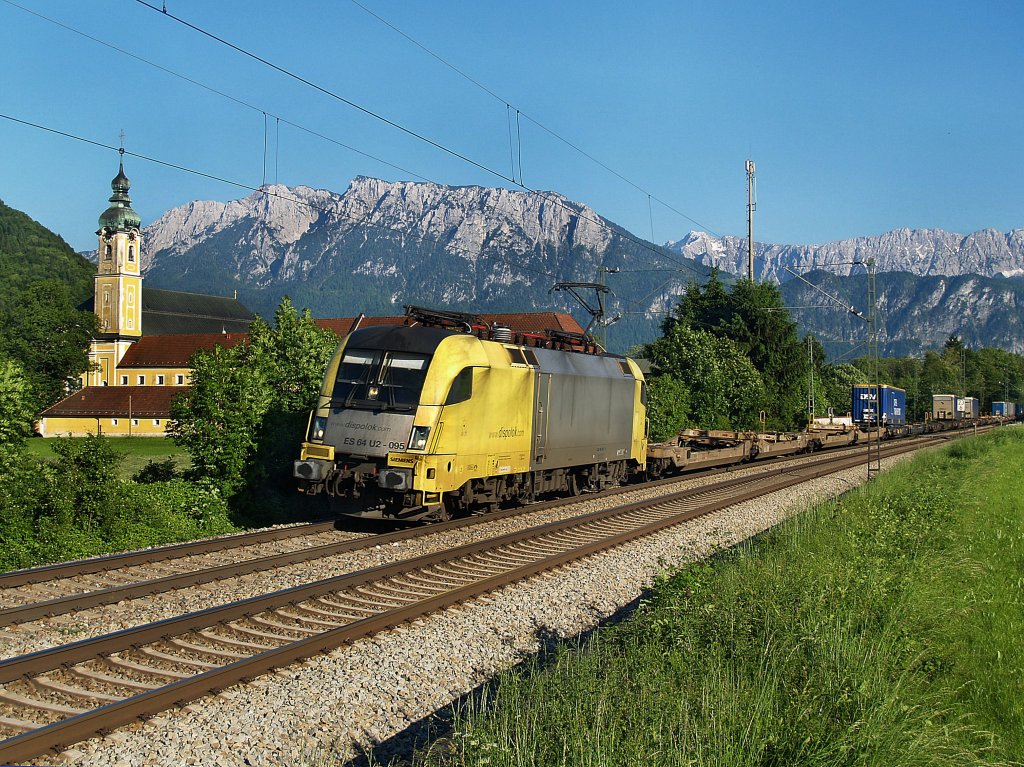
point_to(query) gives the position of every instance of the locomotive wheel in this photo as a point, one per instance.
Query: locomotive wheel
(574, 485)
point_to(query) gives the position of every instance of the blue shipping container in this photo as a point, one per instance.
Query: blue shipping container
(1004, 409)
(893, 406)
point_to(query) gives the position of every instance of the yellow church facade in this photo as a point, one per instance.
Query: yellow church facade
(139, 361)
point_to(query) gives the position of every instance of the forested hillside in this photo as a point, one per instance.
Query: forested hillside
(29, 252)
(42, 280)
(916, 313)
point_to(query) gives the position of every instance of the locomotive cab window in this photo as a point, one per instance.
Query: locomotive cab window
(462, 387)
(374, 379)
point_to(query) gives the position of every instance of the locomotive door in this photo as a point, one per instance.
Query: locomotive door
(541, 399)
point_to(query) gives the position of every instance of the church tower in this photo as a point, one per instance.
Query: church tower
(117, 298)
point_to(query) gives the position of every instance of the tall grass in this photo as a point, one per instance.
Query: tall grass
(880, 629)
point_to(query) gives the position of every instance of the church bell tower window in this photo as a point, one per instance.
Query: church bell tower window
(131, 253)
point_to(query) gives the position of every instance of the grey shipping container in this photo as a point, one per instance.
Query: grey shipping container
(947, 407)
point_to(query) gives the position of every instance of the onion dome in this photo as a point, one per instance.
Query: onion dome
(119, 217)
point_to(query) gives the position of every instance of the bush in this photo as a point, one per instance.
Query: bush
(156, 471)
(79, 508)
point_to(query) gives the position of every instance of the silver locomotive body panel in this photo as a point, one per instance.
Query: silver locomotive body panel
(583, 410)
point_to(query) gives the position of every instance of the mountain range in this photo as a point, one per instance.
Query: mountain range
(379, 245)
(922, 252)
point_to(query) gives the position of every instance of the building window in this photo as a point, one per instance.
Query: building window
(179, 379)
(135, 422)
(107, 252)
(159, 380)
(156, 421)
(113, 422)
(131, 253)
(124, 380)
(142, 380)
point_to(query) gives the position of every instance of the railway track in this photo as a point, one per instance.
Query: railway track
(27, 595)
(56, 697)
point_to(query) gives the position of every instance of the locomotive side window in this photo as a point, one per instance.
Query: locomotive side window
(515, 354)
(531, 357)
(462, 387)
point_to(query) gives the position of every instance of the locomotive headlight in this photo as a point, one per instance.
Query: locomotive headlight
(316, 430)
(418, 438)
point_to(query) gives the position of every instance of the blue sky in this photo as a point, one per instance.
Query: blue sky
(861, 117)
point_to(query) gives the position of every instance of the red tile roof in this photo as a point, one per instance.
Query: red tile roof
(174, 351)
(523, 322)
(139, 401)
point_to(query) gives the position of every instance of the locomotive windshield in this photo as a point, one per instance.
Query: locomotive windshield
(380, 380)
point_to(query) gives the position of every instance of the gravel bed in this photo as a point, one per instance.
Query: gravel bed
(61, 629)
(372, 691)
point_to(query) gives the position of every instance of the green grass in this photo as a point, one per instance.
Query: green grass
(138, 452)
(881, 629)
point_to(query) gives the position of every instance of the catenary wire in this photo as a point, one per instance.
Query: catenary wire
(260, 110)
(536, 122)
(387, 121)
(270, 193)
(658, 252)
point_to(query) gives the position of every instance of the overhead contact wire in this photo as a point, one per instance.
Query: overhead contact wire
(536, 122)
(249, 187)
(658, 252)
(419, 136)
(327, 92)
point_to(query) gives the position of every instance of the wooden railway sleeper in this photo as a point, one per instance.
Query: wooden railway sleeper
(222, 633)
(249, 631)
(260, 620)
(531, 546)
(405, 588)
(354, 596)
(199, 649)
(340, 612)
(314, 621)
(511, 559)
(471, 568)
(444, 584)
(128, 665)
(428, 588)
(18, 725)
(160, 655)
(397, 600)
(40, 705)
(96, 676)
(332, 610)
(45, 683)
(323, 600)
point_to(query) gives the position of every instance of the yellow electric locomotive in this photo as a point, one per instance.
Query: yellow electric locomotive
(445, 416)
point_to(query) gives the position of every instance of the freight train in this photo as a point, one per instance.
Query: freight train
(446, 416)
